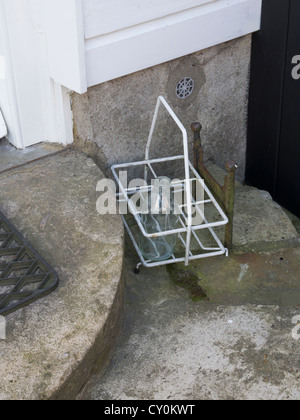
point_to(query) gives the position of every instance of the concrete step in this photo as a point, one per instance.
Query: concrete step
(52, 345)
(10, 157)
(219, 329)
(235, 344)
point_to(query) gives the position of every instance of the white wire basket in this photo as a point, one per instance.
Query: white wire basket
(196, 240)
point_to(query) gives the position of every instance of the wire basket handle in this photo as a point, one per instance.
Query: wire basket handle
(161, 101)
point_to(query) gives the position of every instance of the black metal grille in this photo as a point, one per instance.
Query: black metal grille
(24, 275)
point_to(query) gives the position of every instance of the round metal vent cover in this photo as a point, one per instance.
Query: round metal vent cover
(185, 88)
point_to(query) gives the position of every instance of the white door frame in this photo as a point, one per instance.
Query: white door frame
(35, 107)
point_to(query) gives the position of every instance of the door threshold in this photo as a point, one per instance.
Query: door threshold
(11, 158)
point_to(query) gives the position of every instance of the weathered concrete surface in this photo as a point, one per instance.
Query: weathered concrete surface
(261, 278)
(53, 344)
(176, 349)
(295, 220)
(114, 127)
(258, 218)
(222, 328)
(10, 157)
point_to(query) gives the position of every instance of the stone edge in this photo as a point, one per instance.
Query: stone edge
(99, 354)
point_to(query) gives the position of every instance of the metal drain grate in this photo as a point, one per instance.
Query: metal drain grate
(24, 275)
(185, 88)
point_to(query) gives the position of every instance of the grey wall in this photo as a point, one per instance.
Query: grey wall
(112, 120)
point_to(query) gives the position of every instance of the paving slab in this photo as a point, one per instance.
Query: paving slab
(220, 329)
(10, 157)
(234, 341)
(52, 346)
(226, 348)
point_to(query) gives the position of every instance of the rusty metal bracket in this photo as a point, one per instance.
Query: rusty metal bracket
(225, 195)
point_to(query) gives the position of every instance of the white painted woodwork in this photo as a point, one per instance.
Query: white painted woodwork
(102, 17)
(8, 98)
(3, 129)
(93, 41)
(51, 47)
(141, 46)
(30, 100)
(65, 42)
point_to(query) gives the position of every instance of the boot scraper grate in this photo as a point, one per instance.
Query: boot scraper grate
(24, 275)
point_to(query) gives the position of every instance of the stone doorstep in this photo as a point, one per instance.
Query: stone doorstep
(217, 306)
(53, 345)
(10, 157)
(250, 278)
(168, 344)
(174, 346)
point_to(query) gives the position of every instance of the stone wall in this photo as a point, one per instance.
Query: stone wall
(112, 120)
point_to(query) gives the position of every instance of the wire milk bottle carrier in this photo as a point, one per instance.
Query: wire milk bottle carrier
(158, 228)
